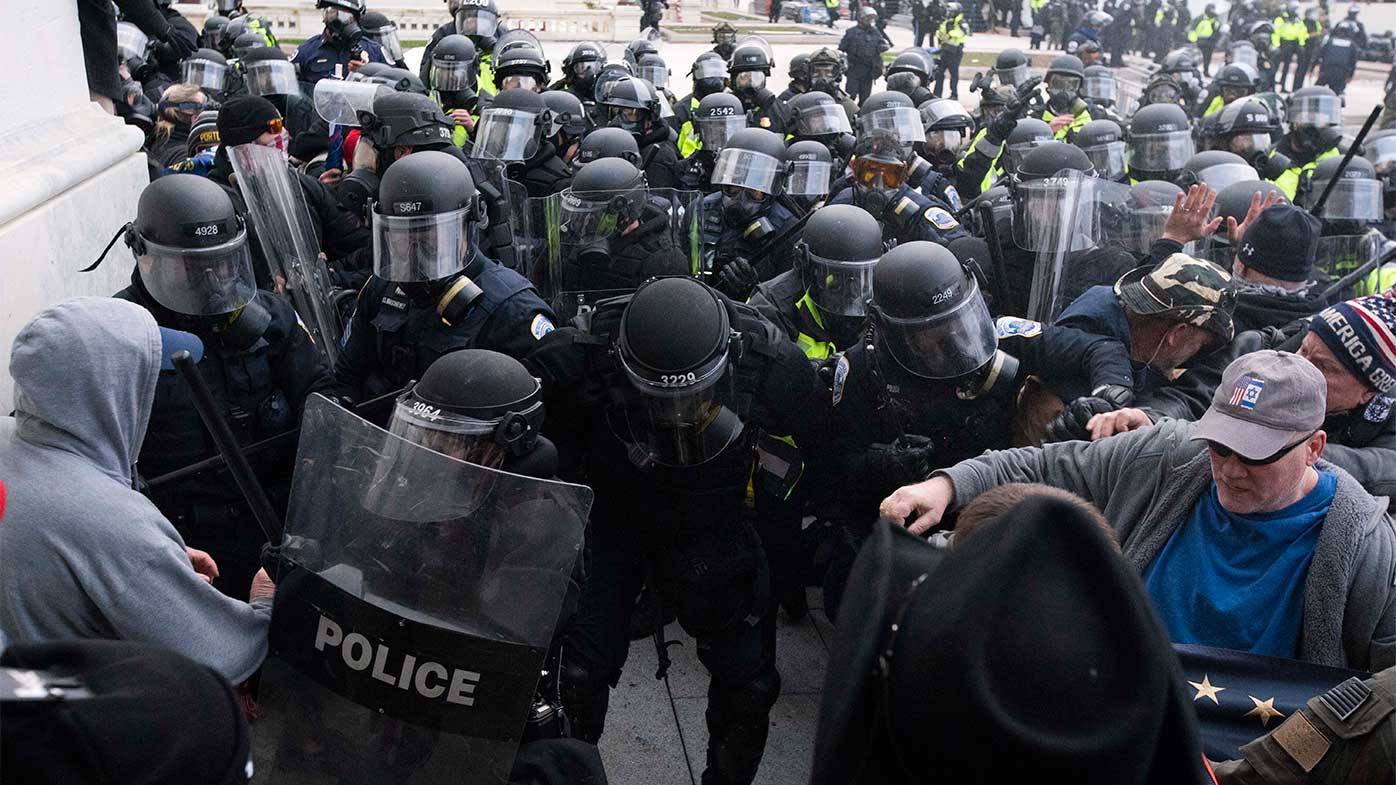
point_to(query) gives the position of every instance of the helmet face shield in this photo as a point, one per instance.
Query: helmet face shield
(272, 77)
(870, 173)
(904, 121)
(1220, 176)
(204, 73)
(520, 82)
(809, 178)
(451, 75)
(421, 248)
(709, 68)
(1318, 111)
(199, 281)
(951, 139)
(476, 22)
(506, 135)
(1108, 160)
(749, 80)
(678, 419)
(1246, 145)
(1163, 152)
(1100, 87)
(452, 434)
(388, 40)
(747, 169)
(1056, 213)
(839, 287)
(1063, 83)
(944, 346)
(1351, 200)
(822, 120)
(656, 75)
(715, 131)
(1012, 76)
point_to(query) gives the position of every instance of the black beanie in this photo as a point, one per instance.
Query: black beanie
(1282, 243)
(244, 118)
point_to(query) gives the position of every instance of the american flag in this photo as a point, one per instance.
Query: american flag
(1378, 314)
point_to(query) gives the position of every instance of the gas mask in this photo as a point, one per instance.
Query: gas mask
(703, 88)
(741, 209)
(341, 24)
(1062, 90)
(629, 126)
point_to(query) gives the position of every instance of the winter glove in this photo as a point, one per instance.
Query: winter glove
(179, 46)
(737, 279)
(906, 461)
(1071, 423)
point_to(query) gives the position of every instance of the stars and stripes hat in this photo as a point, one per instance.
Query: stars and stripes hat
(1361, 333)
(1265, 401)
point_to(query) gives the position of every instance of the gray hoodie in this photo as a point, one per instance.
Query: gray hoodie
(1147, 481)
(82, 555)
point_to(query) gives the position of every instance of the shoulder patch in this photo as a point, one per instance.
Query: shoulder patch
(765, 122)
(840, 377)
(941, 219)
(1013, 326)
(953, 196)
(540, 326)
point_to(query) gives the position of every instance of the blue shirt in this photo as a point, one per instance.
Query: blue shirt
(1237, 581)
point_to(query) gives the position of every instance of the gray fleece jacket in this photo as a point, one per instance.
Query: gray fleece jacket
(82, 555)
(1146, 482)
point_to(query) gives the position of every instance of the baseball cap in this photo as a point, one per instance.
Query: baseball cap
(1182, 289)
(1265, 401)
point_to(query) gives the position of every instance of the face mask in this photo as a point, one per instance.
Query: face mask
(740, 210)
(629, 126)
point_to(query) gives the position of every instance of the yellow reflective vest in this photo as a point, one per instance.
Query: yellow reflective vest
(1287, 30)
(1288, 181)
(689, 141)
(952, 31)
(1205, 29)
(1082, 118)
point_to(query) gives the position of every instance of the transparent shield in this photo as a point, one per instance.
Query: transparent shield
(415, 602)
(1130, 220)
(809, 178)
(476, 21)
(1381, 152)
(341, 102)
(1341, 255)
(1220, 176)
(1160, 152)
(904, 121)
(1100, 87)
(1058, 219)
(281, 217)
(1108, 159)
(506, 135)
(204, 73)
(390, 43)
(272, 77)
(1243, 52)
(131, 41)
(1350, 200)
(1315, 110)
(821, 120)
(748, 169)
(715, 131)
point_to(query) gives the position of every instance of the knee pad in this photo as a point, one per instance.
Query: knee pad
(586, 695)
(721, 581)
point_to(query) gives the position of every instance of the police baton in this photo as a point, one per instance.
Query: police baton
(228, 447)
(1317, 209)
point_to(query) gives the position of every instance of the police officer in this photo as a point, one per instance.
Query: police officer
(477, 20)
(1309, 54)
(750, 67)
(341, 48)
(799, 77)
(1315, 129)
(1065, 111)
(819, 118)
(606, 143)
(742, 220)
(864, 45)
(878, 184)
(269, 73)
(194, 274)
(1289, 37)
(1103, 143)
(810, 174)
(570, 122)
(1234, 82)
(433, 291)
(951, 37)
(512, 130)
(452, 80)
(614, 233)
(580, 68)
(669, 410)
(1245, 128)
(709, 75)
(948, 128)
(717, 118)
(379, 28)
(652, 68)
(1159, 142)
(724, 40)
(1100, 90)
(826, 73)
(1204, 33)
(910, 74)
(1010, 67)
(520, 66)
(633, 105)
(1337, 59)
(979, 168)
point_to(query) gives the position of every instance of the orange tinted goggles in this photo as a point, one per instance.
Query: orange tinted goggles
(869, 172)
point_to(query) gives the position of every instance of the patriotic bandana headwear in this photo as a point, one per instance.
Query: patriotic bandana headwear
(1361, 333)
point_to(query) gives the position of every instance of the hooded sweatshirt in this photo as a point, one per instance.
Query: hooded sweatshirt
(82, 555)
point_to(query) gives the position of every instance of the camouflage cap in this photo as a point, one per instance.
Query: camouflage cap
(1182, 289)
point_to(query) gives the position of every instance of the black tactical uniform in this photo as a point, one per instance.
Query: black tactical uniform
(750, 67)
(741, 221)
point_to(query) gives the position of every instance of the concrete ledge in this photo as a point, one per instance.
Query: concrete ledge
(41, 160)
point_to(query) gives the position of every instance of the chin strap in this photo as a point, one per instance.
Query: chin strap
(126, 227)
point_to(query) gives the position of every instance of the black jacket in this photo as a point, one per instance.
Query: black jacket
(543, 174)
(659, 158)
(1256, 310)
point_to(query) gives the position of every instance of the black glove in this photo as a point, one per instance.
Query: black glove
(1117, 394)
(1270, 165)
(180, 47)
(1025, 93)
(1071, 424)
(1000, 127)
(906, 461)
(737, 279)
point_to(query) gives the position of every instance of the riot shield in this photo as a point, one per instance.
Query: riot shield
(1058, 220)
(1340, 255)
(1131, 219)
(416, 598)
(575, 232)
(341, 102)
(279, 213)
(505, 232)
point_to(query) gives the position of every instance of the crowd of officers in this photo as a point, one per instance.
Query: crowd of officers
(743, 308)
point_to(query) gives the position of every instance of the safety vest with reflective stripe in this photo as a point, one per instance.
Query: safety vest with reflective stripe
(1288, 181)
(1081, 119)
(951, 32)
(689, 141)
(814, 348)
(485, 82)
(1289, 31)
(1213, 107)
(1205, 29)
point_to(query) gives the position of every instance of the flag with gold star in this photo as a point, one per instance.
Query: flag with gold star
(1240, 697)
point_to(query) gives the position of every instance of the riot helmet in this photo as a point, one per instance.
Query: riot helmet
(816, 115)
(750, 65)
(342, 17)
(1089, 52)
(1064, 77)
(247, 42)
(367, 72)
(1315, 116)
(680, 371)
(473, 405)
(191, 248)
(1029, 134)
(404, 120)
(520, 67)
(478, 19)
(1054, 199)
(826, 70)
(809, 170)
(1103, 143)
(1261, 34)
(512, 127)
(1236, 81)
(269, 72)
(581, 66)
(453, 67)
(1216, 169)
(1380, 149)
(637, 49)
(799, 73)
(379, 28)
(912, 61)
(725, 39)
(709, 74)
(399, 80)
(929, 314)
(892, 111)
(206, 68)
(1159, 142)
(1244, 127)
(1011, 67)
(569, 117)
(992, 102)
(425, 219)
(1147, 208)
(633, 105)
(604, 199)
(836, 255)
(131, 45)
(607, 143)
(1098, 19)
(1099, 85)
(879, 169)
(750, 170)
(717, 118)
(653, 69)
(1355, 198)
(212, 35)
(948, 131)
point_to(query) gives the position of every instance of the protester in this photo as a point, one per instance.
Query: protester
(1246, 538)
(86, 556)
